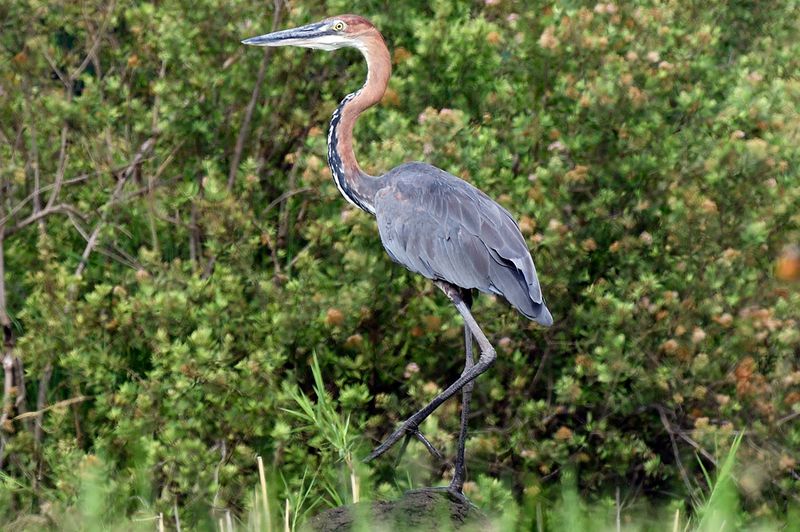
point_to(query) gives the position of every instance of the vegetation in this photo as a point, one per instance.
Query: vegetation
(182, 288)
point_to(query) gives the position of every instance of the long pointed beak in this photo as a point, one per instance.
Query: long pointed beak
(293, 37)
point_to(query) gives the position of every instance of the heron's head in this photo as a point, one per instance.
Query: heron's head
(329, 34)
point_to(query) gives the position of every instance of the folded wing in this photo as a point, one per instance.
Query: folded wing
(443, 228)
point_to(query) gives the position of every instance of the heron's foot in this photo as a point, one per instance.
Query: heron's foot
(454, 494)
(409, 430)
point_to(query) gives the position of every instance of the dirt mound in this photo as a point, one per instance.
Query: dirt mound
(418, 510)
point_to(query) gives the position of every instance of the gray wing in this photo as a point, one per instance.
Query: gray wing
(443, 228)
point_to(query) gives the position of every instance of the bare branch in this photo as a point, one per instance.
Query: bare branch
(144, 149)
(113, 252)
(285, 196)
(61, 208)
(21, 401)
(153, 181)
(5, 321)
(64, 79)
(157, 98)
(97, 39)
(786, 418)
(283, 219)
(8, 356)
(676, 451)
(59, 404)
(8, 390)
(4, 136)
(11, 365)
(244, 130)
(151, 203)
(41, 399)
(194, 234)
(700, 449)
(62, 166)
(18, 207)
(78, 179)
(33, 161)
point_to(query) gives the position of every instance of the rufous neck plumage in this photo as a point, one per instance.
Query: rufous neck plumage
(355, 185)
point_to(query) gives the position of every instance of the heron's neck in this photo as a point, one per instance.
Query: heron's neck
(355, 185)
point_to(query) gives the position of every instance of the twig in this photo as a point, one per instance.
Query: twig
(5, 321)
(93, 49)
(151, 207)
(9, 377)
(545, 358)
(209, 268)
(283, 197)
(2, 449)
(62, 165)
(77, 422)
(283, 219)
(21, 402)
(297, 257)
(194, 234)
(5, 137)
(55, 69)
(676, 451)
(707, 455)
(8, 356)
(59, 404)
(79, 179)
(41, 399)
(147, 189)
(786, 418)
(8, 387)
(34, 150)
(223, 456)
(177, 516)
(244, 130)
(61, 208)
(90, 245)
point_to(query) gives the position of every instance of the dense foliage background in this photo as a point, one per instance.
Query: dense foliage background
(174, 253)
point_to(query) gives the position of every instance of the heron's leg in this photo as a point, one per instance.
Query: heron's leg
(460, 470)
(487, 358)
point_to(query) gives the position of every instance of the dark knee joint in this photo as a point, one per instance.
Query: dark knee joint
(488, 356)
(451, 291)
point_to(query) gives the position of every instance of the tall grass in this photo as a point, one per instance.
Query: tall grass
(716, 508)
(336, 430)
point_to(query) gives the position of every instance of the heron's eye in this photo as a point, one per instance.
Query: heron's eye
(338, 26)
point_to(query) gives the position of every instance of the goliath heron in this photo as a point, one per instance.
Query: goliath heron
(430, 221)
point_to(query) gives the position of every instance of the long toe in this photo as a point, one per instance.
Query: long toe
(406, 429)
(429, 446)
(387, 444)
(454, 494)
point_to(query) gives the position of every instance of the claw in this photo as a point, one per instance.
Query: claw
(454, 494)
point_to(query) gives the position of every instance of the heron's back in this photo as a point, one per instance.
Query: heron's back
(440, 226)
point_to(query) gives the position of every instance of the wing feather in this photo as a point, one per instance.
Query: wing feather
(443, 228)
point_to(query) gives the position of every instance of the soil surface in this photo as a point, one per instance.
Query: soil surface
(418, 510)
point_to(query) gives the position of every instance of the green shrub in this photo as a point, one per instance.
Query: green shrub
(649, 150)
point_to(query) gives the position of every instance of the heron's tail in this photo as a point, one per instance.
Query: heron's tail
(544, 317)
